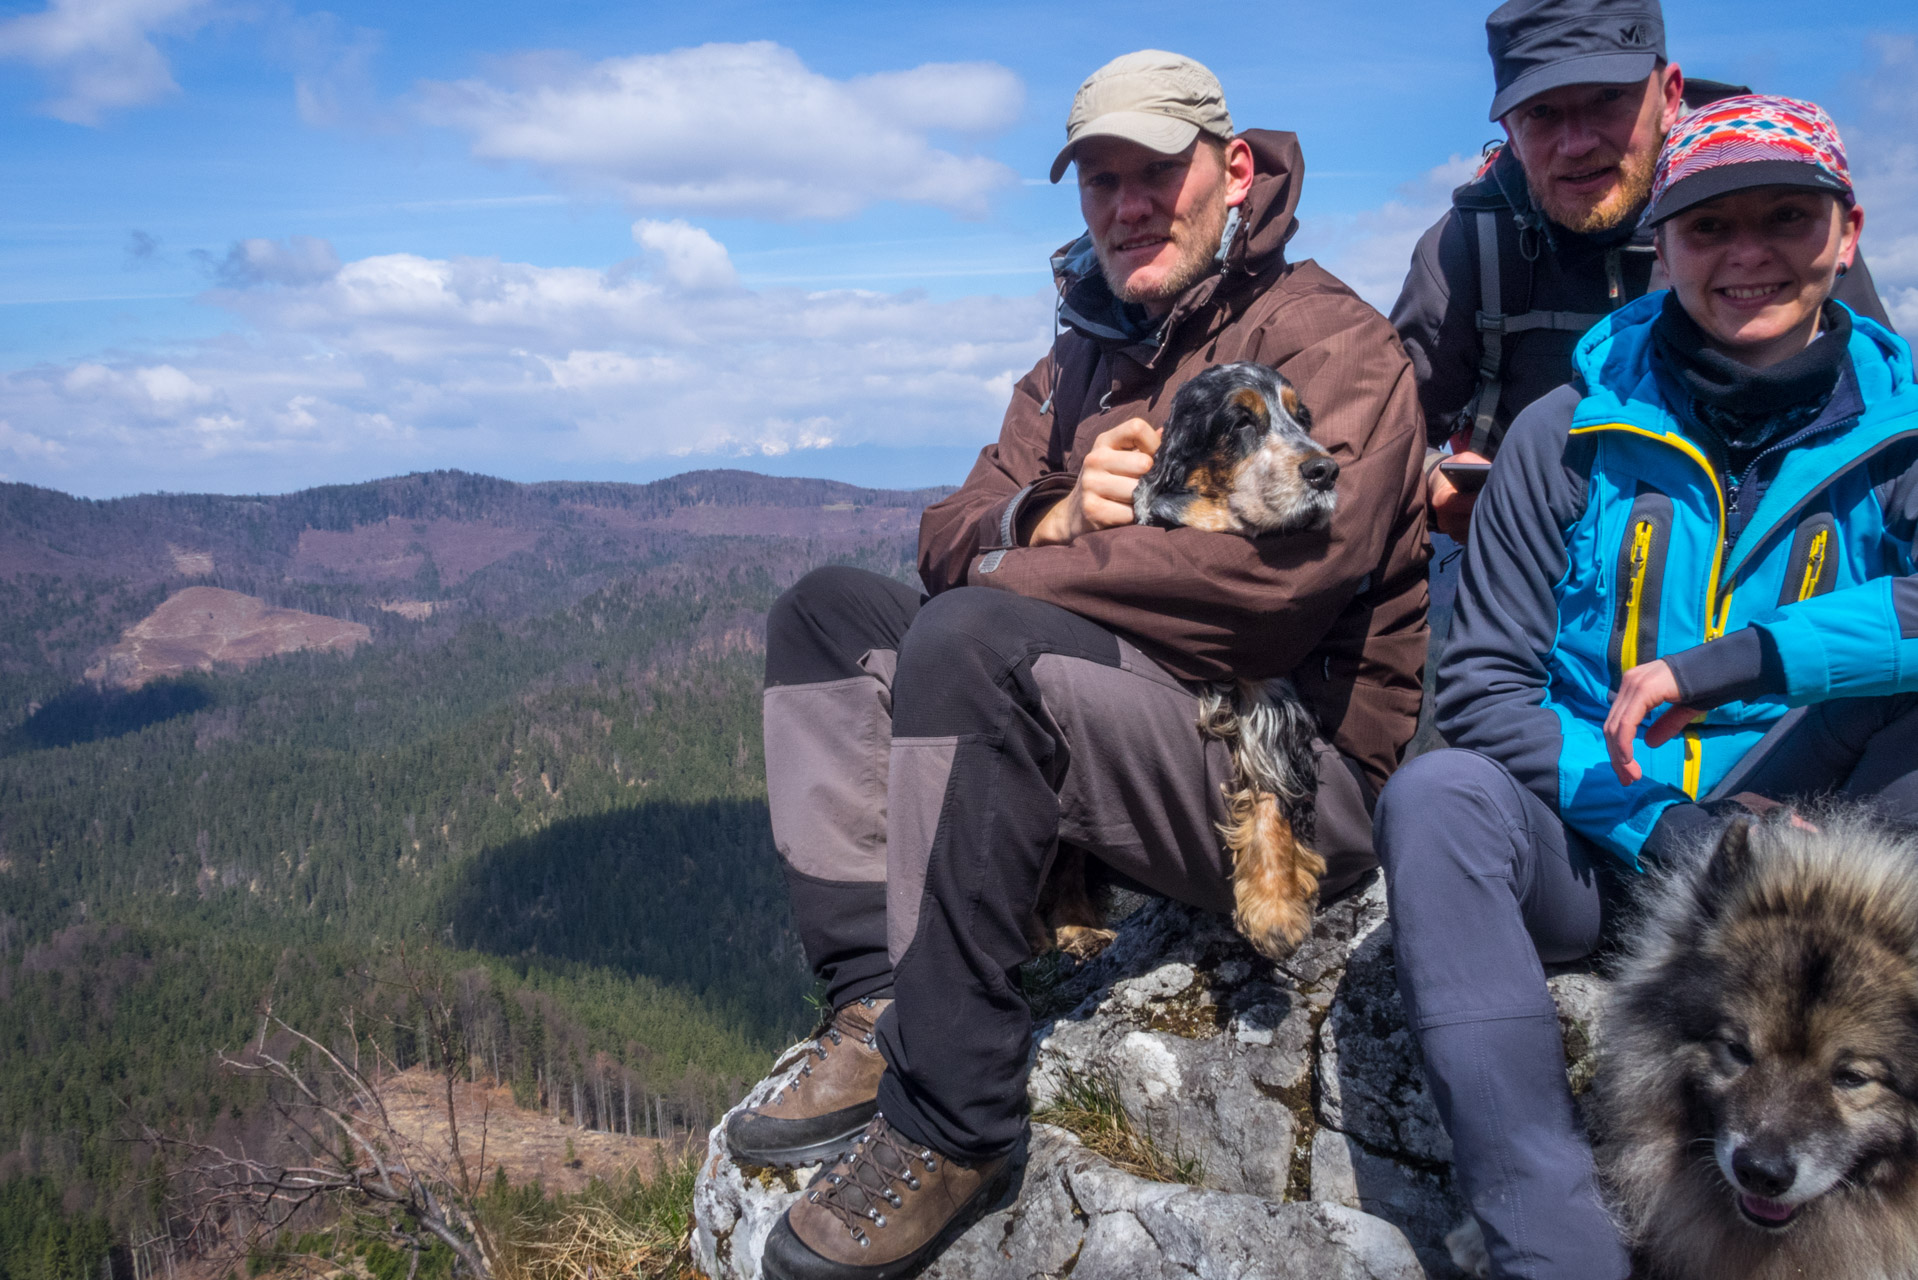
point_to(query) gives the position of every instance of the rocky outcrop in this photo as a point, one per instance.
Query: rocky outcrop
(1291, 1092)
(201, 627)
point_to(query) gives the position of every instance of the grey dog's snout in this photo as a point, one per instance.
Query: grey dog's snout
(1319, 472)
(1764, 1172)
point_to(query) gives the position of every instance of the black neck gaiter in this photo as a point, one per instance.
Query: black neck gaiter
(1751, 409)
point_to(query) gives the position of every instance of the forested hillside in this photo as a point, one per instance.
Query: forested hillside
(541, 781)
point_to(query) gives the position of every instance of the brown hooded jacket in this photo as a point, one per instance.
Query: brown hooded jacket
(1342, 611)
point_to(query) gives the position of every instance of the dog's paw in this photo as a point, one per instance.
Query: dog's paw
(1080, 942)
(1274, 927)
(1466, 1244)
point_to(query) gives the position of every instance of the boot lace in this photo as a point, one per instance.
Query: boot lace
(817, 1048)
(863, 1190)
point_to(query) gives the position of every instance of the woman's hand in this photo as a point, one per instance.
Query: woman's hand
(1644, 687)
(1102, 496)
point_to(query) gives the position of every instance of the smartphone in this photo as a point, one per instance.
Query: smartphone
(1466, 477)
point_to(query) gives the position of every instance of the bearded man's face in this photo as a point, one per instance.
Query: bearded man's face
(1589, 150)
(1155, 218)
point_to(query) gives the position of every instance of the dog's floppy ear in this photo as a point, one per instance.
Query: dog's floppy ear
(1730, 864)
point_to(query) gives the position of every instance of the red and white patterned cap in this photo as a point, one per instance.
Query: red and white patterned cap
(1752, 140)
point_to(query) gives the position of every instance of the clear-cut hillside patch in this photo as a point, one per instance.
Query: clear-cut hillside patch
(496, 1133)
(399, 548)
(199, 628)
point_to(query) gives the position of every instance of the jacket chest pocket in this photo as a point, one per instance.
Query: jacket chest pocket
(1640, 580)
(1812, 568)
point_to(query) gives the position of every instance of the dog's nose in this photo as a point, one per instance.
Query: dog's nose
(1764, 1172)
(1320, 472)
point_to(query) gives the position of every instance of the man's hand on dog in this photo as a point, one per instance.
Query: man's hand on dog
(1644, 687)
(1102, 497)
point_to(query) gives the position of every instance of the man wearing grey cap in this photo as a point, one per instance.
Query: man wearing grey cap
(1545, 241)
(927, 757)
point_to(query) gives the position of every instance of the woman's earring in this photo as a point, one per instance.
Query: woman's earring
(1843, 267)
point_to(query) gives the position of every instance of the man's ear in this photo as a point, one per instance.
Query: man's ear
(1238, 172)
(1672, 88)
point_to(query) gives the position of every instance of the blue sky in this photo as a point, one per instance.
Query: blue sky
(250, 246)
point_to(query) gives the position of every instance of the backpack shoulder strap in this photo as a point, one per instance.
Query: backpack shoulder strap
(1494, 325)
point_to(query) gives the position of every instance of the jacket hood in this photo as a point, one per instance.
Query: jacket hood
(1267, 219)
(1258, 233)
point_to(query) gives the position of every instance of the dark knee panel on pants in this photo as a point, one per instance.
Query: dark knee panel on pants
(967, 643)
(818, 630)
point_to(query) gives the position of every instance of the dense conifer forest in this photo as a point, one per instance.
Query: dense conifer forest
(540, 785)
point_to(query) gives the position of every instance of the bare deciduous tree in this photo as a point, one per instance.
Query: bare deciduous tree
(341, 1144)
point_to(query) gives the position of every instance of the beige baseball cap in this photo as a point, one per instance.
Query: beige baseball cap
(1154, 98)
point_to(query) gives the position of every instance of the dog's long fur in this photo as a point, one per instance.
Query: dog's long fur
(1234, 457)
(1764, 1029)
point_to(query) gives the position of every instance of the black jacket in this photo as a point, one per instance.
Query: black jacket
(1542, 268)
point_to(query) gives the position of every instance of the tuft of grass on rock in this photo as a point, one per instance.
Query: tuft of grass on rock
(638, 1227)
(1088, 1107)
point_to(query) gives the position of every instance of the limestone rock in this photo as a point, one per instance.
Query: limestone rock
(1296, 1089)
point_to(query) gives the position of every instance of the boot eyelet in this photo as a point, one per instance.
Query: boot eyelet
(892, 1198)
(912, 1183)
(879, 1219)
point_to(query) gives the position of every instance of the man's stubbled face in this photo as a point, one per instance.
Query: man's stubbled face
(1155, 218)
(1589, 150)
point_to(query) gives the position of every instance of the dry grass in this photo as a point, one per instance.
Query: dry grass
(640, 1229)
(1089, 1109)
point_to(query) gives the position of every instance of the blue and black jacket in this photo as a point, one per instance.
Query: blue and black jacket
(1605, 538)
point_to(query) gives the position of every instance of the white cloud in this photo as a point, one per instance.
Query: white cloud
(741, 129)
(100, 52)
(398, 362)
(1371, 250)
(1882, 145)
(688, 256)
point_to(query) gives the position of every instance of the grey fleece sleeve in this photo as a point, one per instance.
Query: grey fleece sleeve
(1491, 685)
(1734, 668)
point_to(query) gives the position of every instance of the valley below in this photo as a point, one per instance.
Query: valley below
(439, 751)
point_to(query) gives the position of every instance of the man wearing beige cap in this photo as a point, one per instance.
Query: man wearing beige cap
(927, 757)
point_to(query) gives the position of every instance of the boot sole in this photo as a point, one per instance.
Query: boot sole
(797, 1157)
(814, 1267)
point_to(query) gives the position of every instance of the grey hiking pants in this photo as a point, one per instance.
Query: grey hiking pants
(924, 760)
(1486, 886)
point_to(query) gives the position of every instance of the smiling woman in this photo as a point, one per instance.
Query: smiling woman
(1756, 221)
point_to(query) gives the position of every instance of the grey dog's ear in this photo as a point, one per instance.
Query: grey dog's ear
(1730, 864)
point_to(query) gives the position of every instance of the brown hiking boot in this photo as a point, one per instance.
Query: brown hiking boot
(822, 1110)
(882, 1210)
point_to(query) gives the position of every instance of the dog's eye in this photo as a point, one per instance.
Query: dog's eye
(1737, 1051)
(1850, 1078)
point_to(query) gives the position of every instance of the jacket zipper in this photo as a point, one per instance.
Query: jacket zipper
(1717, 612)
(1635, 595)
(1814, 564)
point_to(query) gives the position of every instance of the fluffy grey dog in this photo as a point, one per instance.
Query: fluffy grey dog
(1759, 1078)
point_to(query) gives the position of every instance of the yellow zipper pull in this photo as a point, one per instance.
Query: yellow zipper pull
(1814, 564)
(1635, 595)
